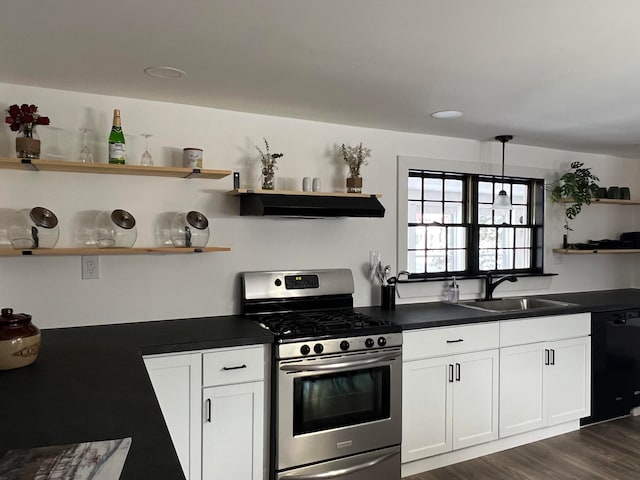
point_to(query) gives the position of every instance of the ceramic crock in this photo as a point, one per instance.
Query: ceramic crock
(19, 340)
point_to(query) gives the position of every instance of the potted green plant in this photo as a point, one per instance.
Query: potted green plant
(577, 186)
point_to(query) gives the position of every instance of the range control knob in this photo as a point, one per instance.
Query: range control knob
(344, 345)
(318, 348)
(382, 341)
(369, 343)
(304, 349)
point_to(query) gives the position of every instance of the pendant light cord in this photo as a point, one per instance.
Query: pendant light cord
(503, 139)
(503, 144)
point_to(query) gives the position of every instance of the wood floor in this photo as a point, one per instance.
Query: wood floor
(606, 451)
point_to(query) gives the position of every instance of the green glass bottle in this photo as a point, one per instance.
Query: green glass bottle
(116, 140)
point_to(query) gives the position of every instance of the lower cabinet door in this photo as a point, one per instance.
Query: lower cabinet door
(522, 405)
(475, 398)
(426, 407)
(567, 380)
(175, 380)
(233, 432)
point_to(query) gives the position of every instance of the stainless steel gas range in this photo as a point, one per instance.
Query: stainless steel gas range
(336, 377)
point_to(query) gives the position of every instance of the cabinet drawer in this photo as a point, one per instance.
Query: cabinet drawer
(234, 365)
(435, 342)
(543, 329)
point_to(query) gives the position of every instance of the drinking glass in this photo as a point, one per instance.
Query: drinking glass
(85, 154)
(146, 158)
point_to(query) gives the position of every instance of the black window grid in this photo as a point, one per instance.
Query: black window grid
(533, 223)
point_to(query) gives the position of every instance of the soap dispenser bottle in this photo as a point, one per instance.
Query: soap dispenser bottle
(454, 292)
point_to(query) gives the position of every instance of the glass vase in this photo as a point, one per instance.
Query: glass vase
(354, 184)
(28, 143)
(268, 179)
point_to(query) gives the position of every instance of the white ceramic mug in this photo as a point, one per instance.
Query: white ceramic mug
(306, 184)
(316, 185)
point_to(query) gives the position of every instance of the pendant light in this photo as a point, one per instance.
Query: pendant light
(502, 200)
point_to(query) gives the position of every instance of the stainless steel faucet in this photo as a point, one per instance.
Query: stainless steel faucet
(490, 285)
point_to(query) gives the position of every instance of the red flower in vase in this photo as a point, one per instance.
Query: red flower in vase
(23, 118)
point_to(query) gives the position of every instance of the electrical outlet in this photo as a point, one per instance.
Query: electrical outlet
(90, 267)
(374, 258)
(558, 258)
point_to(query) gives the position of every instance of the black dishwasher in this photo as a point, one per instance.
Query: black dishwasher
(615, 364)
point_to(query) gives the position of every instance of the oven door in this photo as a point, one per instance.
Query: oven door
(338, 405)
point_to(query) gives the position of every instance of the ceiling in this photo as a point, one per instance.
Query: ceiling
(556, 73)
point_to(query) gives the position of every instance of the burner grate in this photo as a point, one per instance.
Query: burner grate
(318, 323)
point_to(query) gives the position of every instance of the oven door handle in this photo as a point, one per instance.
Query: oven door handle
(342, 471)
(338, 366)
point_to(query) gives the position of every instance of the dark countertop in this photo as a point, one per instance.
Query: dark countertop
(439, 314)
(90, 383)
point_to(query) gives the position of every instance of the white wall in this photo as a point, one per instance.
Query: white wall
(149, 287)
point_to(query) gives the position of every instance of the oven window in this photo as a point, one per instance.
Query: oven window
(327, 401)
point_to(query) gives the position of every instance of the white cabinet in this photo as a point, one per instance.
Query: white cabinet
(214, 405)
(233, 440)
(232, 433)
(176, 381)
(449, 402)
(544, 383)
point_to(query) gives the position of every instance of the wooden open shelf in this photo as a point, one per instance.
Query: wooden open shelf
(574, 251)
(10, 252)
(244, 191)
(606, 201)
(106, 168)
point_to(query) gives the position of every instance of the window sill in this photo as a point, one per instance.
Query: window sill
(474, 277)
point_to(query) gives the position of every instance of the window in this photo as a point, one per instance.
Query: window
(452, 229)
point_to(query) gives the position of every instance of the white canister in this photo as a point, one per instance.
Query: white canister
(306, 184)
(192, 157)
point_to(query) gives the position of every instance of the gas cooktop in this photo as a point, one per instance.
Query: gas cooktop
(323, 323)
(313, 308)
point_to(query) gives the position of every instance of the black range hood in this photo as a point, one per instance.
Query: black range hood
(288, 205)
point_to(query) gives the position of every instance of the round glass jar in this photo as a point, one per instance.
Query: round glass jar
(115, 229)
(190, 229)
(33, 228)
(19, 340)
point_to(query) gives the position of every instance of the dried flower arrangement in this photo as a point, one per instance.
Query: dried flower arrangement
(355, 157)
(24, 118)
(268, 161)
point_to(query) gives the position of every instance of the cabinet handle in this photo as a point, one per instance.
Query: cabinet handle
(208, 408)
(553, 357)
(450, 373)
(455, 341)
(457, 372)
(546, 356)
(226, 369)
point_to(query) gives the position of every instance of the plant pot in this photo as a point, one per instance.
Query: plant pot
(354, 184)
(27, 147)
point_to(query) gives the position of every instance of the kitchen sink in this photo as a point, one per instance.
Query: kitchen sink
(514, 304)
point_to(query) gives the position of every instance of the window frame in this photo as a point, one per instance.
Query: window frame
(471, 221)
